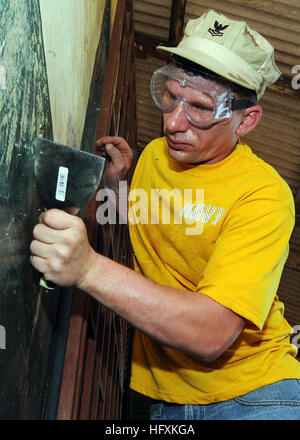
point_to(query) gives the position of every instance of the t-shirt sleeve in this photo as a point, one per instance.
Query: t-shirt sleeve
(244, 270)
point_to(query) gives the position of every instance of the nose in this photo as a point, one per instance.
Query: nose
(176, 120)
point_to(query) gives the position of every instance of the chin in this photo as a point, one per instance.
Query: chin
(181, 156)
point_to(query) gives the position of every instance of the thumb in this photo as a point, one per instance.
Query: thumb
(114, 153)
(57, 219)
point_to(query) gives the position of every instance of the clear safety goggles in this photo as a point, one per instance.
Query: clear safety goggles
(204, 101)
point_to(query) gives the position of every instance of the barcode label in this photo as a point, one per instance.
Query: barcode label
(61, 186)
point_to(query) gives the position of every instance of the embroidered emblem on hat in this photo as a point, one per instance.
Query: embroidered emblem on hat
(217, 31)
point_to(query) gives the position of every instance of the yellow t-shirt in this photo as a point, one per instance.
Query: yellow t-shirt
(228, 240)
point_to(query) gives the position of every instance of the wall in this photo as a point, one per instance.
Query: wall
(42, 93)
(71, 32)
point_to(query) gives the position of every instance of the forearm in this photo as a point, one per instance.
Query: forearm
(176, 318)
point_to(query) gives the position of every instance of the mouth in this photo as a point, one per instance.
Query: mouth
(177, 145)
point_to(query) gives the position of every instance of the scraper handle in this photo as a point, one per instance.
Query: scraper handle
(48, 285)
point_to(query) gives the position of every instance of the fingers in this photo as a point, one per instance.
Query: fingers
(115, 155)
(118, 142)
(60, 249)
(56, 233)
(121, 158)
(115, 140)
(40, 249)
(59, 220)
(43, 233)
(39, 263)
(47, 267)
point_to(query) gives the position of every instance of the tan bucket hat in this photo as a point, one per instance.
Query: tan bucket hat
(229, 48)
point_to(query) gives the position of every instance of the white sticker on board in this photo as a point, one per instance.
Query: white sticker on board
(61, 186)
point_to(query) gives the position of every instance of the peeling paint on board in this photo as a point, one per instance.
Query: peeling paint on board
(25, 112)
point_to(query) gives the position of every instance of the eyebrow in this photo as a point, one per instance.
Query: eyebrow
(201, 99)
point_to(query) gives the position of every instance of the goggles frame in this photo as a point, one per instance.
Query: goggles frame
(224, 102)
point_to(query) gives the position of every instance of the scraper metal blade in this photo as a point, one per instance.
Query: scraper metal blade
(66, 177)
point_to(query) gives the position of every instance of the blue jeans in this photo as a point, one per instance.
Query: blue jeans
(278, 401)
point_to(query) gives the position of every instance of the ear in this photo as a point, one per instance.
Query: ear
(249, 121)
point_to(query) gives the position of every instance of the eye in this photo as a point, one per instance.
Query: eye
(169, 97)
(201, 106)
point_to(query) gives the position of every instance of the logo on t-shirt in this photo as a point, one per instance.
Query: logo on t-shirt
(202, 213)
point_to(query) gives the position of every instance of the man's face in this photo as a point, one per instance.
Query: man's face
(190, 144)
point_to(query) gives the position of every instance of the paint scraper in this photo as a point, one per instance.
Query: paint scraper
(66, 177)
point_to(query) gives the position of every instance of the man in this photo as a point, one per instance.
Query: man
(211, 339)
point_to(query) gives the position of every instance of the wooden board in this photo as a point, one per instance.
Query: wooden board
(26, 313)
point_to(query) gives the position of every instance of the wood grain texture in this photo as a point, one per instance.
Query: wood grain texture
(27, 314)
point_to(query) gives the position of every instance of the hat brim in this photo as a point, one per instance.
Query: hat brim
(218, 59)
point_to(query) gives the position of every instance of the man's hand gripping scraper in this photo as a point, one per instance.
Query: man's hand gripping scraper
(66, 178)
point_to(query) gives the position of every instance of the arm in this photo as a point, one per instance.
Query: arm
(187, 321)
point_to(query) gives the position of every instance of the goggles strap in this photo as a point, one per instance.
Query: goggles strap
(237, 104)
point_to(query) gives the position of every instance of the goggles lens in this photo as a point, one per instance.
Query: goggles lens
(202, 104)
